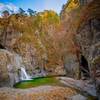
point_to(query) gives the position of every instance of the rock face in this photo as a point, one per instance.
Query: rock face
(8, 35)
(83, 26)
(71, 66)
(10, 65)
(81, 21)
(89, 38)
(4, 77)
(39, 93)
(70, 15)
(89, 33)
(28, 53)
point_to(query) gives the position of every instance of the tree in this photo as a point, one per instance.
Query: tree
(31, 12)
(21, 11)
(5, 13)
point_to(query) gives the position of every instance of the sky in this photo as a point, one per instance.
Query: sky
(36, 5)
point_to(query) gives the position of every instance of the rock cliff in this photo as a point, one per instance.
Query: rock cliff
(81, 21)
(88, 36)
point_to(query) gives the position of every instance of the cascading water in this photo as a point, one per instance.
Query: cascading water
(24, 75)
(16, 68)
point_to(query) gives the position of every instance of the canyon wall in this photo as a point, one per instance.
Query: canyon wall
(88, 36)
(81, 23)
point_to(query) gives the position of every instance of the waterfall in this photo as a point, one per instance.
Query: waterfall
(24, 75)
(15, 67)
(19, 64)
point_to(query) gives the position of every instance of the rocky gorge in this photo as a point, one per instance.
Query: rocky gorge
(50, 45)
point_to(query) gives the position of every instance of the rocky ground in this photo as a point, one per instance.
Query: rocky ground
(39, 93)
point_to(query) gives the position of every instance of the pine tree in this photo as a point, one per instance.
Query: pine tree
(31, 12)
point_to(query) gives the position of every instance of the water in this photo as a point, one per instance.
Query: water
(24, 75)
(40, 81)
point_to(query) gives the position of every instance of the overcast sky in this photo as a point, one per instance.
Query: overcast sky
(36, 5)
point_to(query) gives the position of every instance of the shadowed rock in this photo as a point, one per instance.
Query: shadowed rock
(82, 86)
